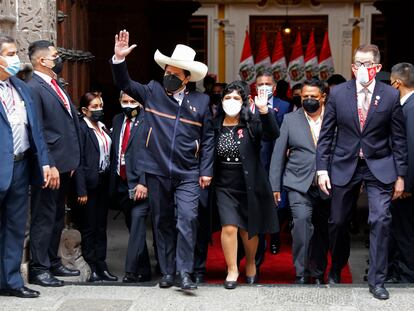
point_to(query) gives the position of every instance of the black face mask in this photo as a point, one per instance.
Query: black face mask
(96, 115)
(130, 112)
(297, 101)
(311, 105)
(172, 83)
(58, 65)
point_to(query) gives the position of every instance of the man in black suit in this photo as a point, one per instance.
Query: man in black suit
(23, 160)
(401, 256)
(60, 126)
(371, 149)
(128, 185)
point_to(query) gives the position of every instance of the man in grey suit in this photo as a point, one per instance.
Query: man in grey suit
(294, 161)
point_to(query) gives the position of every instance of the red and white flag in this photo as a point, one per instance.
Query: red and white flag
(278, 66)
(296, 67)
(311, 60)
(246, 67)
(262, 57)
(326, 66)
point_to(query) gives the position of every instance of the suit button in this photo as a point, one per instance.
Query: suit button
(250, 188)
(238, 142)
(246, 172)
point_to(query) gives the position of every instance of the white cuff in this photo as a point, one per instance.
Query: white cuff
(323, 172)
(45, 167)
(117, 61)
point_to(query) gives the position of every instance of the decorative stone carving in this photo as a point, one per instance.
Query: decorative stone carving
(71, 254)
(75, 55)
(8, 16)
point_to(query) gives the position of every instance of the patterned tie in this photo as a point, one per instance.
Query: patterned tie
(365, 102)
(8, 102)
(60, 94)
(125, 139)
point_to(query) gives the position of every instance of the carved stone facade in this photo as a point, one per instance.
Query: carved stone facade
(27, 21)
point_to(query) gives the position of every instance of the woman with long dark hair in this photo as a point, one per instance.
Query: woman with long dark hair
(242, 191)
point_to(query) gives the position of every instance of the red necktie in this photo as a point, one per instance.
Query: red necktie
(125, 139)
(60, 94)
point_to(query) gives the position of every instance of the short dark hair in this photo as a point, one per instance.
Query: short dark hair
(297, 86)
(5, 39)
(266, 73)
(405, 73)
(39, 45)
(370, 48)
(316, 83)
(86, 99)
(335, 79)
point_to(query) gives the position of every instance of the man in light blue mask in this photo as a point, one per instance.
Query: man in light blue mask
(22, 147)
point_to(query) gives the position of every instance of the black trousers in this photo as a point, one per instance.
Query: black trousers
(379, 219)
(174, 205)
(137, 259)
(203, 233)
(92, 220)
(47, 223)
(401, 247)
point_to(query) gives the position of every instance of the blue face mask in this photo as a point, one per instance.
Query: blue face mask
(13, 64)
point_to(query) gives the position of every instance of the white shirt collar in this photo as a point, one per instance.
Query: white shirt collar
(405, 97)
(90, 125)
(370, 87)
(179, 96)
(45, 77)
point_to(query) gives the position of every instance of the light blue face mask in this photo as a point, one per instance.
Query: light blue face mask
(13, 64)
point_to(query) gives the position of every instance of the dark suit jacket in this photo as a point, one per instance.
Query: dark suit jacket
(280, 108)
(87, 174)
(299, 169)
(382, 140)
(60, 129)
(262, 212)
(408, 110)
(37, 145)
(180, 139)
(133, 154)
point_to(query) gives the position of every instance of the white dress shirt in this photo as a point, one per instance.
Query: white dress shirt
(104, 142)
(405, 97)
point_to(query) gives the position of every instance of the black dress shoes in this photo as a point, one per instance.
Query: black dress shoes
(318, 280)
(334, 278)
(230, 284)
(63, 271)
(252, 279)
(94, 277)
(107, 276)
(379, 292)
(166, 281)
(45, 279)
(199, 278)
(22, 292)
(302, 280)
(185, 281)
(135, 278)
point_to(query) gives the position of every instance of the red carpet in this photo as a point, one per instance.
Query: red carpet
(276, 269)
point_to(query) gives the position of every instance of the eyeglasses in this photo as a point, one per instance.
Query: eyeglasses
(365, 64)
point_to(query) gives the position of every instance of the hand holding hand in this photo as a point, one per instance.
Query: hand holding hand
(277, 197)
(122, 48)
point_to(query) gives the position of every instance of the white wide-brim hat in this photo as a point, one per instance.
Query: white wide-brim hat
(183, 57)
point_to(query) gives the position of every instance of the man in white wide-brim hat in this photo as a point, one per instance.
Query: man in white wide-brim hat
(178, 153)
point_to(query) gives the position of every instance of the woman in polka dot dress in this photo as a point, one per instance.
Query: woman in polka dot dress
(241, 189)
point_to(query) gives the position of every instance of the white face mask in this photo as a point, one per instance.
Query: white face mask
(365, 75)
(232, 107)
(13, 64)
(268, 89)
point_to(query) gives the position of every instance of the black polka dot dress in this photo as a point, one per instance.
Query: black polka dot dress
(230, 185)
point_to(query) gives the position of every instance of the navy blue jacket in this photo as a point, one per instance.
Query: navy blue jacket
(180, 139)
(60, 129)
(38, 148)
(279, 108)
(87, 174)
(383, 139)
(408, 110)
(133, 154)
